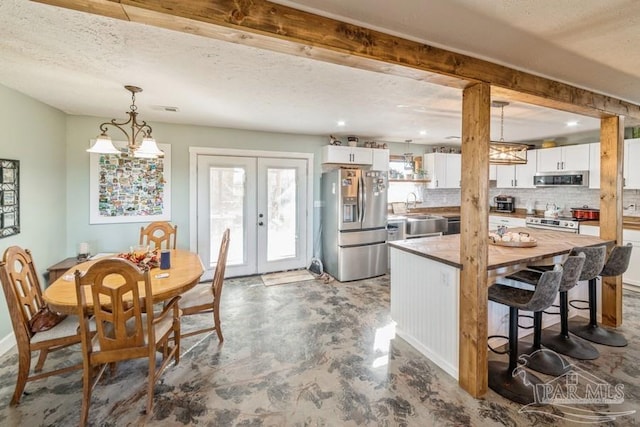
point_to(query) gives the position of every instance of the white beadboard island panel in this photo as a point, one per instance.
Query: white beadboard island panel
(424, 305)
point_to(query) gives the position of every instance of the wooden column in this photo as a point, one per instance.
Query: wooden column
(474, 216)
(611, 181)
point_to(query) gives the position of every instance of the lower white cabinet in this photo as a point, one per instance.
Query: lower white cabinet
(632, 275)
(496, 221)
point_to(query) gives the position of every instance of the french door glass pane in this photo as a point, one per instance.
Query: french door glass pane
(227, 211)
(281, 214)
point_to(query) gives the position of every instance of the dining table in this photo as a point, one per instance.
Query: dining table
(184, 273)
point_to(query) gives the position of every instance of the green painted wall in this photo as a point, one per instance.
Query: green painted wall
(34, 133)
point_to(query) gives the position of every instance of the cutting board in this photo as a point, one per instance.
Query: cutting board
(399, 208)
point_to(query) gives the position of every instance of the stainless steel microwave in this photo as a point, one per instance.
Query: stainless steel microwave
(561, 179)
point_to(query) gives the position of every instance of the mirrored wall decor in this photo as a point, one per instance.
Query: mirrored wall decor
(9, 197)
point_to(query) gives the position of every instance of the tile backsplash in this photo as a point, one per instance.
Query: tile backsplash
(566, 197)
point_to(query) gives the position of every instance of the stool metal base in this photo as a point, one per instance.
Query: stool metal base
(515, 388)
(543, 360)
(569, 346)
(597, 334)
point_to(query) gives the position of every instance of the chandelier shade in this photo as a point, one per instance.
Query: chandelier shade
(147, 147)
(506, 153)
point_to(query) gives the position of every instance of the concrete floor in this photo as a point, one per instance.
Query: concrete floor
(305, 354)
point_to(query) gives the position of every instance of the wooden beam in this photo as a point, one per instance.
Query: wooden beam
(474, 229)
(267, 25)
(611, 181)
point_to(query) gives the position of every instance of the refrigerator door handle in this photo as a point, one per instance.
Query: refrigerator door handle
(361, 200)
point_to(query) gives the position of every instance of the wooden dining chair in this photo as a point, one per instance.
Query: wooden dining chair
(205, 297)
(122, 329)
(159, 234)
(23, 294)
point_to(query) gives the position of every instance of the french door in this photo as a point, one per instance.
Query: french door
(263, 201)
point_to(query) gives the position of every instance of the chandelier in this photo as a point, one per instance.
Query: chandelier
(146, 149)
(506, 153)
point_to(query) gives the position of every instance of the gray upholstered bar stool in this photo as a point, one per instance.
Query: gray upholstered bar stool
(539, 359)
(517, 386)
(617, 263)
(563, 342)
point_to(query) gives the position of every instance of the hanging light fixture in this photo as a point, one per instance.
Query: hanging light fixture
(147, 148)
(506, 153)
(408, 157)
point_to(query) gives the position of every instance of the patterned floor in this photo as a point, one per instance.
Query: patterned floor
(304, 354)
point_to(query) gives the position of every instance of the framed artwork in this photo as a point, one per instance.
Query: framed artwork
(128, 189)
(9, 197)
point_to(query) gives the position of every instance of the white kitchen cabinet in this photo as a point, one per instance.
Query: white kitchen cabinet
(566, 158)
(380, 159)
(631, 171)
(493, 172)
(632, 275)
(444, 169)
(594, 165)
(496, 220)
(517, 176)
(348, 155)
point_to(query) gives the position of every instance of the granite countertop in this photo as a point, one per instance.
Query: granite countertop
(629, 222)
(446, 249)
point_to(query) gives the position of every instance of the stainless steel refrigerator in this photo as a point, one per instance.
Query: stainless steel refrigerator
(354, 223)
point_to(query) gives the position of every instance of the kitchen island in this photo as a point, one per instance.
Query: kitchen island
(425, 287)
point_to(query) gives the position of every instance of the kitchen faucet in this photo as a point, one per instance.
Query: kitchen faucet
(415, 200)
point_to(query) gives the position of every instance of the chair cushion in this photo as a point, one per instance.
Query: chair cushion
(68, 327)
(200, 294)
(510, 296)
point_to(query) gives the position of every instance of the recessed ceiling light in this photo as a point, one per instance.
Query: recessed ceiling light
(572, 124)
(341, 123)
(423, 132)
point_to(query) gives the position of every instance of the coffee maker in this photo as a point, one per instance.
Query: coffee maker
(505, 203)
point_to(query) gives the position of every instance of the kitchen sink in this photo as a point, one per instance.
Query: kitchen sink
(419, 224)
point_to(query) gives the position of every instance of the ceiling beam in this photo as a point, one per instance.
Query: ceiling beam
(267, 25)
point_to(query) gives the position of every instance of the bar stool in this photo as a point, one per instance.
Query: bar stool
(616, 264)
(539, 359)
(504, 379)
(563, 342)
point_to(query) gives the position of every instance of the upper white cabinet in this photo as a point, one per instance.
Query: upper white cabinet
(349, 155)
(631, 169)
(444, 170)
(380, 159)
(567, 158)
(594, 165)
(517, 176)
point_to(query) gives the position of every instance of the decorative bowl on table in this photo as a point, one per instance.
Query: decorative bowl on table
(142, 256)
(512, 239)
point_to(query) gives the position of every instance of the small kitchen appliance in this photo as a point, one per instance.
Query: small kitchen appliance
(505, 203)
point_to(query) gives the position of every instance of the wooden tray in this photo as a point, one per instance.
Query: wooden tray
(529, 244)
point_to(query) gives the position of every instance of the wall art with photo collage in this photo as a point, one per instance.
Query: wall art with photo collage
(9, 197)
(125, 189)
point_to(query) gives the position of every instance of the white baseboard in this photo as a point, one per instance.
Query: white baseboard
(7, 343)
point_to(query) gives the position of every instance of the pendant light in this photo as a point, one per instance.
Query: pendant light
(506, 153)
(147, 148)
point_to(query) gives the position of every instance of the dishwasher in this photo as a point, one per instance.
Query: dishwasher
(395, 231)
(453, 225)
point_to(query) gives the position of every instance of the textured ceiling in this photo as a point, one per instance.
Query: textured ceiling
(79, 63)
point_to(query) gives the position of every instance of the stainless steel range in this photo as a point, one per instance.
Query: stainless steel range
(568, 225)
